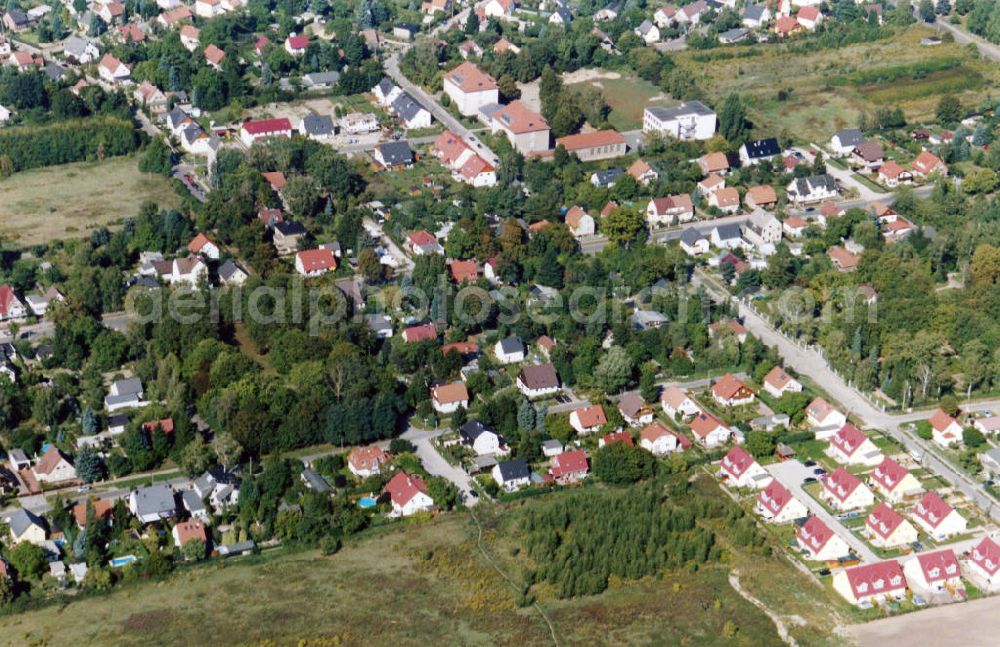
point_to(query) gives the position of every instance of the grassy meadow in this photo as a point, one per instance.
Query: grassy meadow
(828, 88)
(71, 200)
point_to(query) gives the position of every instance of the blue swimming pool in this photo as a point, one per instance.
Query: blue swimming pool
(367, 502)
(118, 562)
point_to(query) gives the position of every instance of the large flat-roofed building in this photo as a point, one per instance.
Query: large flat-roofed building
(691, 120)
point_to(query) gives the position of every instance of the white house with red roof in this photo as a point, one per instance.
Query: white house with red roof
(296, 44)
(408, 494)
(365, 461)
(191, 530)
(778, 382)
(114, 71)
(497, 8)
(580, 222)
(871, 583)
(634, 410)
(983, 563)
(315, 262)
(447, 398)
(934, 572)
(945, 430)
(670, 210)
(202, 244)
(462, 161)
(53, 467)
(709, 430)
(729, 391)
(660, 441)
(845, 491)
(422, 332)
(777, 505)
(10, 306)
(208, 8)
(676, 400)
(893, 481)
(569, 467)
(471, 88)
(621, 436)
(937, 517)
(739, 469)
(926, 164)
(256, 130)
(423, 242)
(886, 528)
(809, 17)
(850, 445)
(819, 543)
(822, 414)
(527, 130)
(587, 420)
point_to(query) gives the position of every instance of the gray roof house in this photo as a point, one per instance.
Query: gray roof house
(606, 178)
(232, 274)
(648, 319)
(734, 35)
(320, 79)
(380, 325)
(80, 50)
(20, 521)
(512, 474)
(409, 111)
(123, 394)
(391, 154)
(152, 503)
(315, 482)
(194, 505)
(316, 126)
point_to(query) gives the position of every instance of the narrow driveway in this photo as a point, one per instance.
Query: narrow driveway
(402, 260)
(791, 474)
(434, 463)
(439, 113)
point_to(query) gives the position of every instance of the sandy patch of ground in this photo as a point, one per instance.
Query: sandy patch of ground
(970, 624)
(588, 74)
(529, 95)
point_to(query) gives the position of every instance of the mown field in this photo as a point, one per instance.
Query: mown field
(71, 200)
(828, 88)
(427, 584)
(627, 96)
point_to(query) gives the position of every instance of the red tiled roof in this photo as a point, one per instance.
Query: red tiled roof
(518, 119)
(728, 387)
(50, 459)
(883, 520)
(298, 42)
(264, 126)
(814, 534)
(704, 423)
(423, 332)
(848, 439)
(592, 416)
(737, 461)
(986, 555)
(469, 78)
(314, 260)
(618, 437)
(573, 462)
(422, 237)
(460, 347)
(368, 457)
(932, 509)
(590, 140)
(450, 393)
(774, 497)
(189, 530)
(7, 298)
(198, 243)
(102, 510)
(403, 487)
(879, 578)
(464, 270)
(939, 566)
(889, 473)
(841, 483)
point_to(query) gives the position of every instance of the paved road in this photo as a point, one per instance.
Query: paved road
(594, 244)
(988, 50)
(439, 113)
(434, 463)
(113, 320)
(808, 362)
(791, 474)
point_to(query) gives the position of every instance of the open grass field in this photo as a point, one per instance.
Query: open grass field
(427, 584)
(71, 200)
(828, 88)
(626, 94)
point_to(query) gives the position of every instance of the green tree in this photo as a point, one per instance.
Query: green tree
(472, 24)
(648, 388)
(760, 443)
(193, 550)
(371, 269)
(949, 108)
(28, 560)
(622, 464)
(614, 370)
(623, 225)
(197, 456)
(526, 416)
(927, 13)
(89, 467)
(733, 120)
(443, 492)
(973, 438)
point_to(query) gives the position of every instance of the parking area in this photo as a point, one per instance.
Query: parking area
(793, 474)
